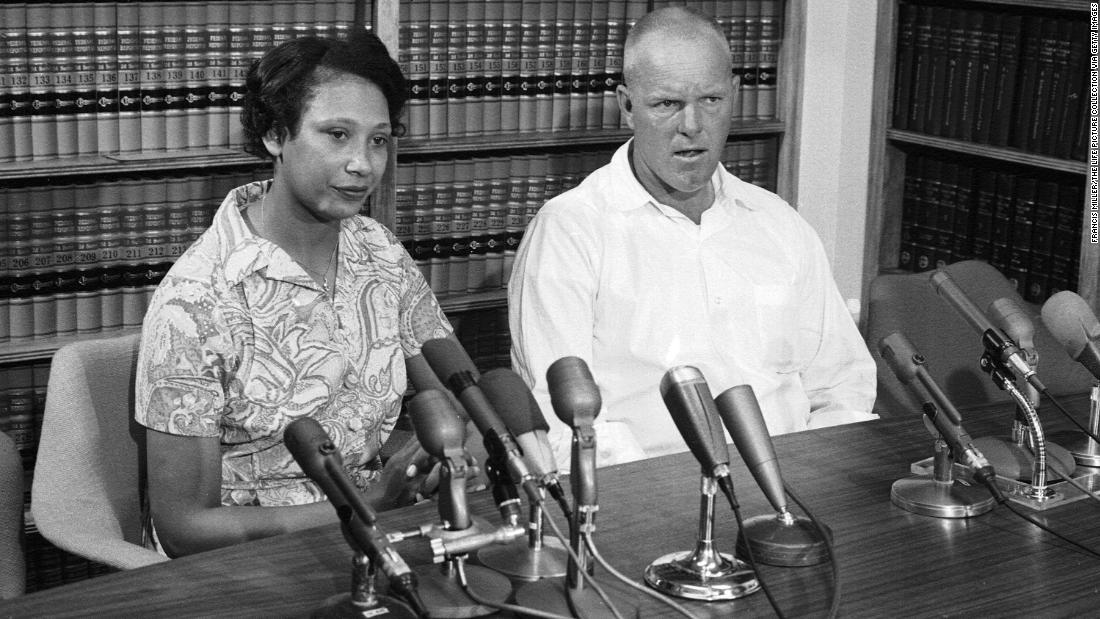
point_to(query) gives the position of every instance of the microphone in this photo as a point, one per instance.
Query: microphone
(784, 539)
(455, 369)
(908, 364)
(1011, 317)
(687, 398)
(576, 400)
(321, 461)
(1072, 322)
(441, 433)
(994, 340)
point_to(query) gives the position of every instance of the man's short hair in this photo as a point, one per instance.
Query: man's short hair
(679, 21)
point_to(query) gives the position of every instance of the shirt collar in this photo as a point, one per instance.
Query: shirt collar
(729, 193)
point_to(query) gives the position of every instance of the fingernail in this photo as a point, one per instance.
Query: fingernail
(411, 471)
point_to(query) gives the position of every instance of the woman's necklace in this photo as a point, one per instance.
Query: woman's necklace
(313, 272)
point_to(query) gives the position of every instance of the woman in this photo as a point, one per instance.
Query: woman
(291, 304)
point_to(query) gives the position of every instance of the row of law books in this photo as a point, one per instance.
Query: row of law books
(490, 67)
(127, 78)
(1003, 77)
(463, 219)
(1026, 225)
(84, 258)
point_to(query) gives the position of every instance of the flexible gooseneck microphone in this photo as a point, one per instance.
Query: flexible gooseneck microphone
(576, 400)
(321, 461)
(994, 340)
(506, 467)
(783, 539)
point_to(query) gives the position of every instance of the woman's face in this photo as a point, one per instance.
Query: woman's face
(339, 154)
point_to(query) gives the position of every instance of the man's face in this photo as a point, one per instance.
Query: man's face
(339, 154)
(678, 102)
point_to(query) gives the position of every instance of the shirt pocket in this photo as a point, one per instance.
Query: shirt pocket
(778, 319)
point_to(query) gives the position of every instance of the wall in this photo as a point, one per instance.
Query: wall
(834, 131)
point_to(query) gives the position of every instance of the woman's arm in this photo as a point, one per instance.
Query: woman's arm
(185, 475)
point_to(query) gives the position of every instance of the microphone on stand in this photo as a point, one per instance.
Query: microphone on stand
(939, 495)
(576, 401)
(442, 434)
(505, 467)
(1072, 322)
(321, 461)
(996, 343)
(1014, 457)
(783, 539)
(539, 558)
(703, 573)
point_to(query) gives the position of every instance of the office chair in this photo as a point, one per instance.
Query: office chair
(13, 571)
(907, 302)
(88, 485)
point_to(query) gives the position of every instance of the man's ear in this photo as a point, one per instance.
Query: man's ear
(626, 106)
(273, 143)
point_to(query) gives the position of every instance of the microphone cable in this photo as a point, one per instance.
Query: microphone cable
(736, 507)
(644, 589)
(1067, 415)
(588, 578)
(1074, 545)
(1073, 482)
(460, 568)
(834, 602)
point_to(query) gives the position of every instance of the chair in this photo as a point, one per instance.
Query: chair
(908, 303)
(13, 571)
(88, 485)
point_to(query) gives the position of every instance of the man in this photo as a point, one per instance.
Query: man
(662, 258)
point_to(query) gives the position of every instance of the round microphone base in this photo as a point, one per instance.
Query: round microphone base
(518, 560)
(551, 595)
(679, 574)
(1085, 451)
(924, 495)
(342, 605)
(776, 542)
(444, 597)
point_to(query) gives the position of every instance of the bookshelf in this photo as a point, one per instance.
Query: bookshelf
(1035, 137)
(126, 180)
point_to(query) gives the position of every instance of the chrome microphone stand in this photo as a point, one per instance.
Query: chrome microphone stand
(1081, 446)
(703, 573)
(363, 600)
(538, 558)
(940, 494)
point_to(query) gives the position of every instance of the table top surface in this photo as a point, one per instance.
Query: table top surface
(891, 562)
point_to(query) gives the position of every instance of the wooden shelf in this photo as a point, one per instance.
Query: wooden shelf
(41, 348)
(194, 159)
(527, 141)
(1011, 155)
(473, 301)
(1058, 5)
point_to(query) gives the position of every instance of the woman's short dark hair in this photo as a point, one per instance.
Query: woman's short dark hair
(280, 84)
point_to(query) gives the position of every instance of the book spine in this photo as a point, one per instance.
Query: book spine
(1005, 84)
(597, 66)
(176, 79)
(937, 71)
(13, 83)
(737, 34)
(194, 92)
(492, 87)
(953, 73)
(456, 69)
(529, 63)
(41, 66)
(580, 74)
(1031, 122)
(1074, 110)
(613, 63)
(987, 32)
(511, 66)
(437, 69)
(129, 78)
(223, 62)
(771, 36)
(1046, 134)
(153, 87)
(545, 55)
(475, 68)
(84, 78)
(62, 30)
(480, 198)
(416, 33)
(903, 71)
(922, 62)
(499, 189)
(461, 214)
(563, 39)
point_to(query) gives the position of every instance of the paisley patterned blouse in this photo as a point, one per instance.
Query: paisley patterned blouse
(239, 341)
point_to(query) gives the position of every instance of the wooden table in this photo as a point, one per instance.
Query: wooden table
(893, 563)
